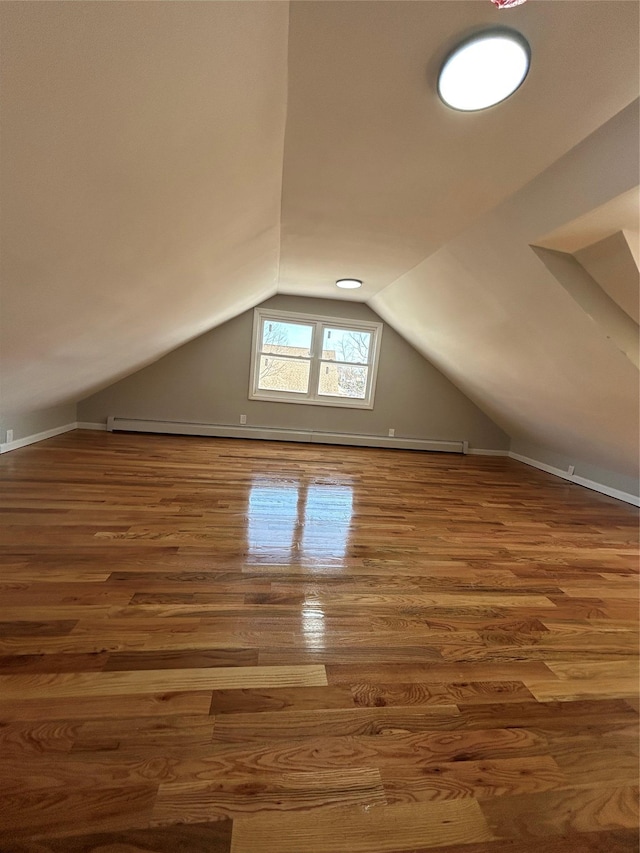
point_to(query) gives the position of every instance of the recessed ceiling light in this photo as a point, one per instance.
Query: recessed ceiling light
(484, 70)
(348, 283)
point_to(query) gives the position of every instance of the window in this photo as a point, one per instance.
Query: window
(319, 361)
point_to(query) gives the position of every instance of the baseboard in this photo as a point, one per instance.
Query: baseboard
(274, 434)
(579, 481)
(395, 442)
(480, 451)
(38, 436)
(87, 425)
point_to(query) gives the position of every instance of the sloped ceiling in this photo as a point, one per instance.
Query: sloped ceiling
(167, 165)
(142, 169)
(379, 173)
(487, 310)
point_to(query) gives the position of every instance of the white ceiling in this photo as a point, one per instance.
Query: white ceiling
(167, 165)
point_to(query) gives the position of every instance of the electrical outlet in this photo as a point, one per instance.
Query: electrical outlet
(392, 432)
(9, 435)
(243, 419)
(570, 470)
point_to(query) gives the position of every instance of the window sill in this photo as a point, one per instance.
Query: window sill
(332, 403)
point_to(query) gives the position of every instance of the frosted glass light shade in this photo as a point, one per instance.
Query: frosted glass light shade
(484, 70)
(348, 283)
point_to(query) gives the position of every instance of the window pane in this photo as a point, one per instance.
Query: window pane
(283, 374)
(343, 380)
(346, 345)
(286, 338)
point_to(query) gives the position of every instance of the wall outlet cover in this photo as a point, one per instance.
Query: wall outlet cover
(9, 435)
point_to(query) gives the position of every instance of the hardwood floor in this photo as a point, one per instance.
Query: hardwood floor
(217, 645)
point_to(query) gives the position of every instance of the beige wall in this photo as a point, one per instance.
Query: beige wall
(616, 323)
(24, 425)
(207, 381)
(612, 264)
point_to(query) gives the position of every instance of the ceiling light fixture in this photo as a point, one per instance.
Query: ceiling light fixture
(484, 70)
(348, 283)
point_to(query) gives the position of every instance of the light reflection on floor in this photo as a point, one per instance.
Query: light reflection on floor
(312, 625)
(291, 521)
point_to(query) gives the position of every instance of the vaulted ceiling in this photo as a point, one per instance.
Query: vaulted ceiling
(165, 166)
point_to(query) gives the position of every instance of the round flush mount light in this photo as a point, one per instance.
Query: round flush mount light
(484, 70)
(348, 283)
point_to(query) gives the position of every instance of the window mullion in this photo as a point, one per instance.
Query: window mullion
(316, 355)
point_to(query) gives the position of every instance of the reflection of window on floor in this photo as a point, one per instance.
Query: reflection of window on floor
(290, 521)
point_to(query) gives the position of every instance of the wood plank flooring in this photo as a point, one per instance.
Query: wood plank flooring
(221, 646)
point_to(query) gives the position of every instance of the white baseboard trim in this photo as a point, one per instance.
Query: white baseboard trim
(86, 425)
(579, 481)
(479, 451)
(274, 434)
(38, 436)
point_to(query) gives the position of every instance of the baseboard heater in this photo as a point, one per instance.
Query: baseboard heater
(274, 434)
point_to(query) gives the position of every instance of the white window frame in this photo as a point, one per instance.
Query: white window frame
(319, 323)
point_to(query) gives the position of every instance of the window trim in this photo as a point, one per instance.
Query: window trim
(319, 322)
